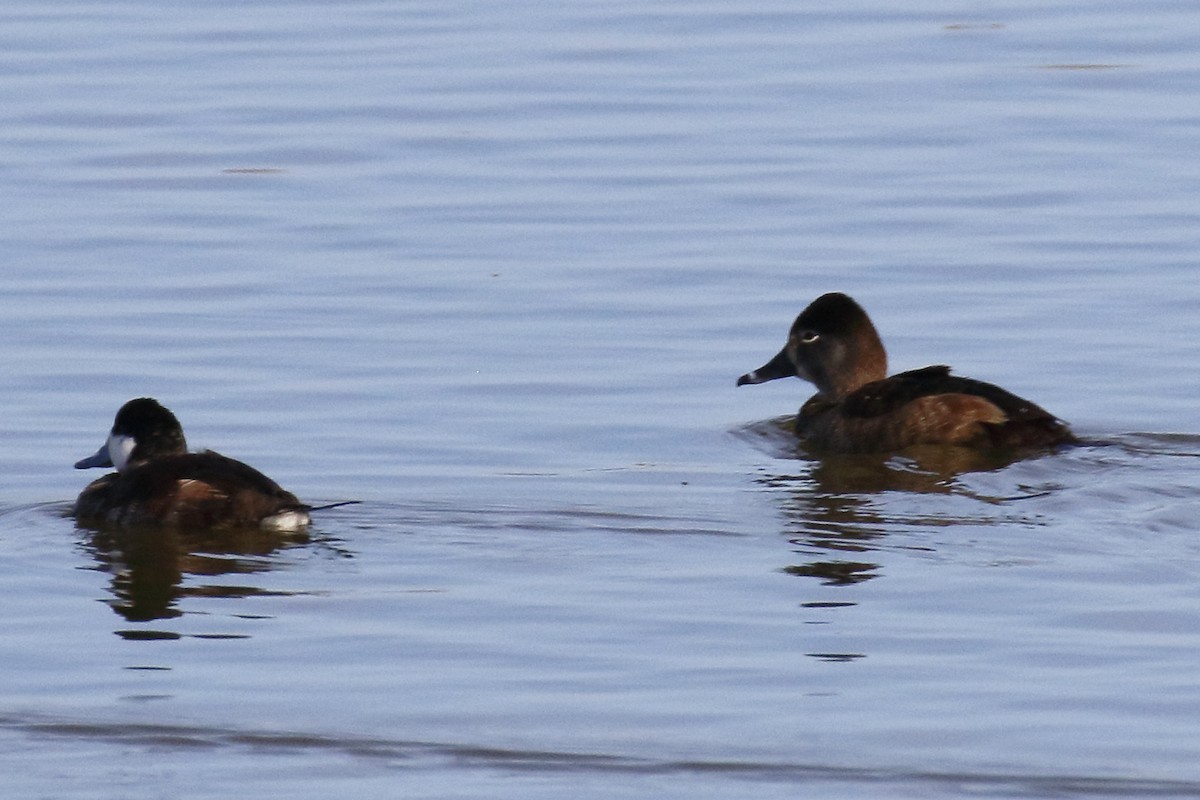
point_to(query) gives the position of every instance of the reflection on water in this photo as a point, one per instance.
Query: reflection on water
(848, 503)
(835, 573)
(149, 565)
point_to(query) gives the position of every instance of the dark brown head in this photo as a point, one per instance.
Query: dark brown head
(833, 345)
(143, 430)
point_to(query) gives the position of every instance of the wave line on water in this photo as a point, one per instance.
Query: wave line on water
(415, 754)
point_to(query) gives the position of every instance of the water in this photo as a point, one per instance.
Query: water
(492, 270)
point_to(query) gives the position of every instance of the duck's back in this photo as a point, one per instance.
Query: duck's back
(191, 490)
(929, 406)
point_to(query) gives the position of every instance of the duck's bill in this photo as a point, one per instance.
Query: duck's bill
(99, 459)
(778, 367)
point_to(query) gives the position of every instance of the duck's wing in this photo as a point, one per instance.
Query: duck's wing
(200, 489)
(225, 474)
(892, 394)
(934, 398)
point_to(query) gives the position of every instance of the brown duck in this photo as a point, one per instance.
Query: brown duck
(859, 409)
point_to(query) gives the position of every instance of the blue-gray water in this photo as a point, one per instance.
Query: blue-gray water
(492, 269)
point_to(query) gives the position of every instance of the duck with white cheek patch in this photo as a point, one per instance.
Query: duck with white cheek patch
(158, 482)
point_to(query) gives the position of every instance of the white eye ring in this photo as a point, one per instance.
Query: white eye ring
(808, 337)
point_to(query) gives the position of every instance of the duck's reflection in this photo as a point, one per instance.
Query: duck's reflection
(839, 508)
(149, 566)
(835, 573)
(830, 513)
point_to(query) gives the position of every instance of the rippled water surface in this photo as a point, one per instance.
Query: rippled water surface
(492, 270)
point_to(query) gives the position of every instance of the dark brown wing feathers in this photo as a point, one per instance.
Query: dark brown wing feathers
(930, 404)
(202, 489)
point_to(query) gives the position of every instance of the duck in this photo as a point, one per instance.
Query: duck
(159, 483)
(858, 408)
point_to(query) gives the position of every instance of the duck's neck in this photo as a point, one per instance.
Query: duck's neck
(865, 361)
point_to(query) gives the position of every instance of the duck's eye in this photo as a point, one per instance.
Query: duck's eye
(809, 337)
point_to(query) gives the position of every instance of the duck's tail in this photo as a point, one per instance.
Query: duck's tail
(334, 505)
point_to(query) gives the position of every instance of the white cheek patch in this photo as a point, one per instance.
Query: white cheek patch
(119, 450)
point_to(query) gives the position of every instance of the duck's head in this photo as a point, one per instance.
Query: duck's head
(832, 344)
(143, 430)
